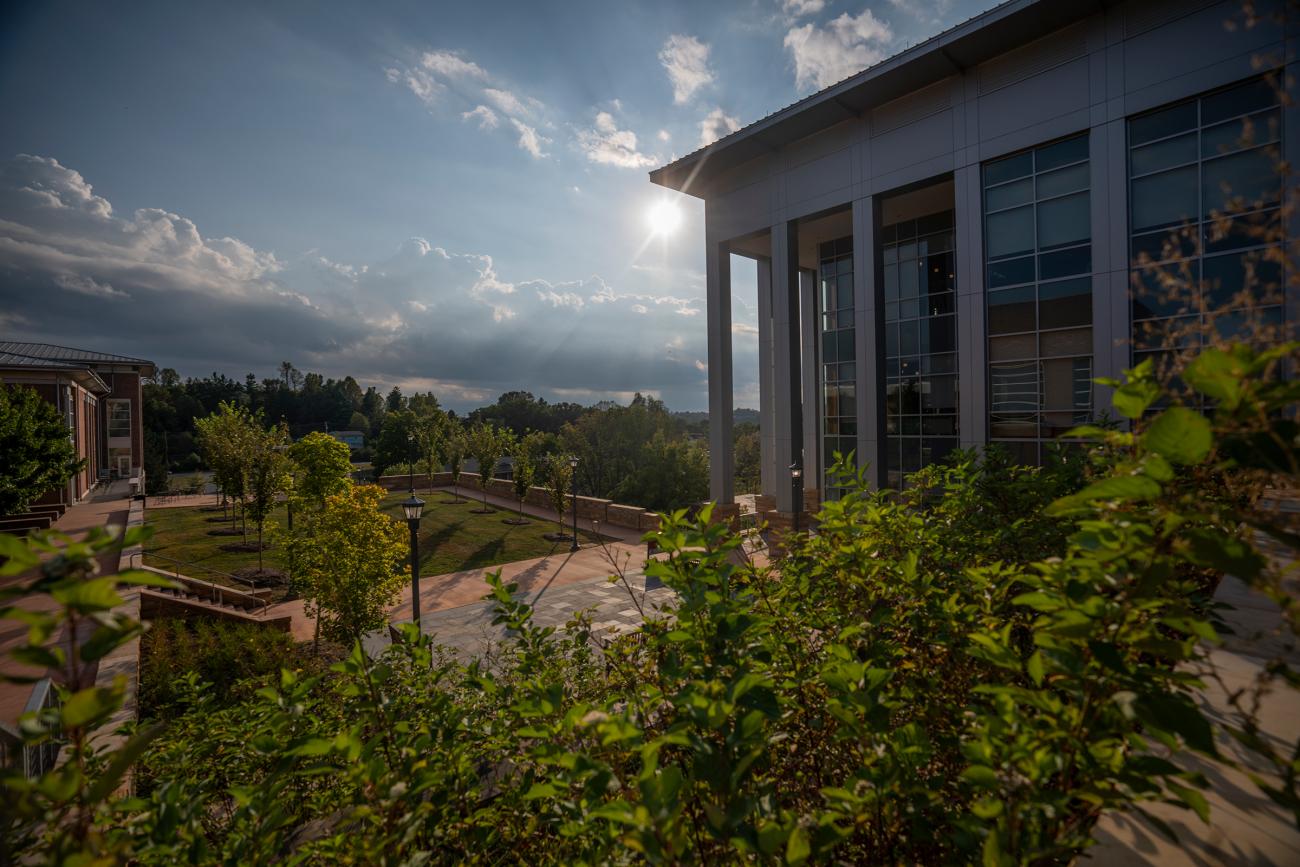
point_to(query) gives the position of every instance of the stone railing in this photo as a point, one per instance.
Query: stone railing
(589, 508)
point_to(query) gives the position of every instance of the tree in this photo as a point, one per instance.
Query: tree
(268, 477)
(430, 440)
(351, 563)
(488, 444)
(225, 439)
(670, 473)
(559, 478)
(358, 421)
(396, 444)
(395, 401)
(321, 468)
(748, 457)
(528, 450)
(38, 453)
(455, 448)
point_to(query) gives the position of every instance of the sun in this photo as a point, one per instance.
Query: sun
(663, 218)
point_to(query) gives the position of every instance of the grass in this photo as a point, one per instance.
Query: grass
(452, 538)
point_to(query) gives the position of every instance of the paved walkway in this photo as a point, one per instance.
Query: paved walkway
(106, 505)
(618, 607)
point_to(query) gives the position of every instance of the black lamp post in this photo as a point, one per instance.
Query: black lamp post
(573, 499)
(796, 476)
(413, 507)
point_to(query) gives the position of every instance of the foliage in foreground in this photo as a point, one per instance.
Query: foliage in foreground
(950, 674)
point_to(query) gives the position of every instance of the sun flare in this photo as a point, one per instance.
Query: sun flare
(663, 218)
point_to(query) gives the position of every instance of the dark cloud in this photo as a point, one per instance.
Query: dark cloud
(149, 284)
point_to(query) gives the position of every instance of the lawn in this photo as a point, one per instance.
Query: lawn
(452, 538)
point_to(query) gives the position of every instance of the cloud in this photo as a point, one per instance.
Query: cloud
(511, 104)
(715, 125)
(848, 44)
(799, 8)
(934, 13)
(487, 118)
(664, 135)
(151, 284)
(418, 82)
(529, 139)
(451, 65)
(606, 144)
(687, 61)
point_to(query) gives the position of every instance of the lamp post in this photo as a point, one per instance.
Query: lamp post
(413, 507)
(573, 499)
(796, 476)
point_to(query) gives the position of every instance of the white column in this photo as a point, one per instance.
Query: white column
(770, 476)
(718, 301)
(867, 339)
(811, 460)
(785, 356)
(972, 354)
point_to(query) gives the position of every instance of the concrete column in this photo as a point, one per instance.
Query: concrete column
(812, 459)
(769, 474)
(1290, 193)
(718, 301)
(1111, 344)
(868, 321)
(785, 356)
(972, 348)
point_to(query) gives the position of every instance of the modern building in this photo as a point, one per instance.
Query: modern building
(946, 241)
(100, 395)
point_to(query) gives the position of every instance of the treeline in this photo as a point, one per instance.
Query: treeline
(641, 453)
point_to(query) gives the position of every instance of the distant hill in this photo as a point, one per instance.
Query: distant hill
(697, 417)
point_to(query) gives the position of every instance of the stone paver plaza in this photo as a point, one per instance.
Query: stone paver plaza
(616, 608)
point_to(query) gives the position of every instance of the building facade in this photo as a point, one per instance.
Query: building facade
(100, 395)
(953, 244)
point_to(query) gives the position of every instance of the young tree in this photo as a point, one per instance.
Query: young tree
(321, 468)
(559, 477)
(352, 563)
(430, 432)
(488, 444)
(527, 451)
(395, 446)
(268, 477)
(38, 453)
(455, 448)
(224, 439)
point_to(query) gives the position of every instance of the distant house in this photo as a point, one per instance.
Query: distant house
(99, 395)
(353, 439)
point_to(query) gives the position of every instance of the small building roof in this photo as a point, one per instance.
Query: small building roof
(83, 374)
(1006, 26)
(67, 354)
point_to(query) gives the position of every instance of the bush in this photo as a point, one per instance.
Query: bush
(222, 654)
(971, 670)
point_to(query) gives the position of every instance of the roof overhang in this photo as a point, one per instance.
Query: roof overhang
(1007, 26)
(83, 376)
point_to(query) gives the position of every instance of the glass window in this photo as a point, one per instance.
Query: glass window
(1223, 206)
(838, 404)
(1008, 169)
(119, 418)
(1042, 326)
(1010, 195)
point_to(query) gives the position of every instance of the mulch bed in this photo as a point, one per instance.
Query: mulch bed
(558, 537)
(261, 577)
(217, 519)
(516, 522)
(245, 548)
(226, 531)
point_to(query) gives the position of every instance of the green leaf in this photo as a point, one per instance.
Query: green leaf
(1135, 396)
(797, 848)
(121, 761)
(1113, 488)
(1193, 799)
(1179, 435)
(20, 557)
(87, 597)
(981, 776)
(1035, 667)
(1217, 374)
(1218, 550)
(90, 706)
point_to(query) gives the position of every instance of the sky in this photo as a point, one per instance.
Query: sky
(432, 195)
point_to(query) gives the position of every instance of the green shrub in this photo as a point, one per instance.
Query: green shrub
(221, 654)
(969, 671)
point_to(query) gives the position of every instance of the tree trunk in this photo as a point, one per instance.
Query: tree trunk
(259, 546)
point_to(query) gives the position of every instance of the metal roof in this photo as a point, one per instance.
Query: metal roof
(79, 371)
(51, 352)
(982, 37)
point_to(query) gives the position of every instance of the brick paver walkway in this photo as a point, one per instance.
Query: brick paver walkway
(467, 630)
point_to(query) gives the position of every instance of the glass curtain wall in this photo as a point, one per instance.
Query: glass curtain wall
(839, 369)
(1205, 192)
(1038, 257)
(920, 295)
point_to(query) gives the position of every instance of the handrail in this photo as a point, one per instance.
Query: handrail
(217, 594)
